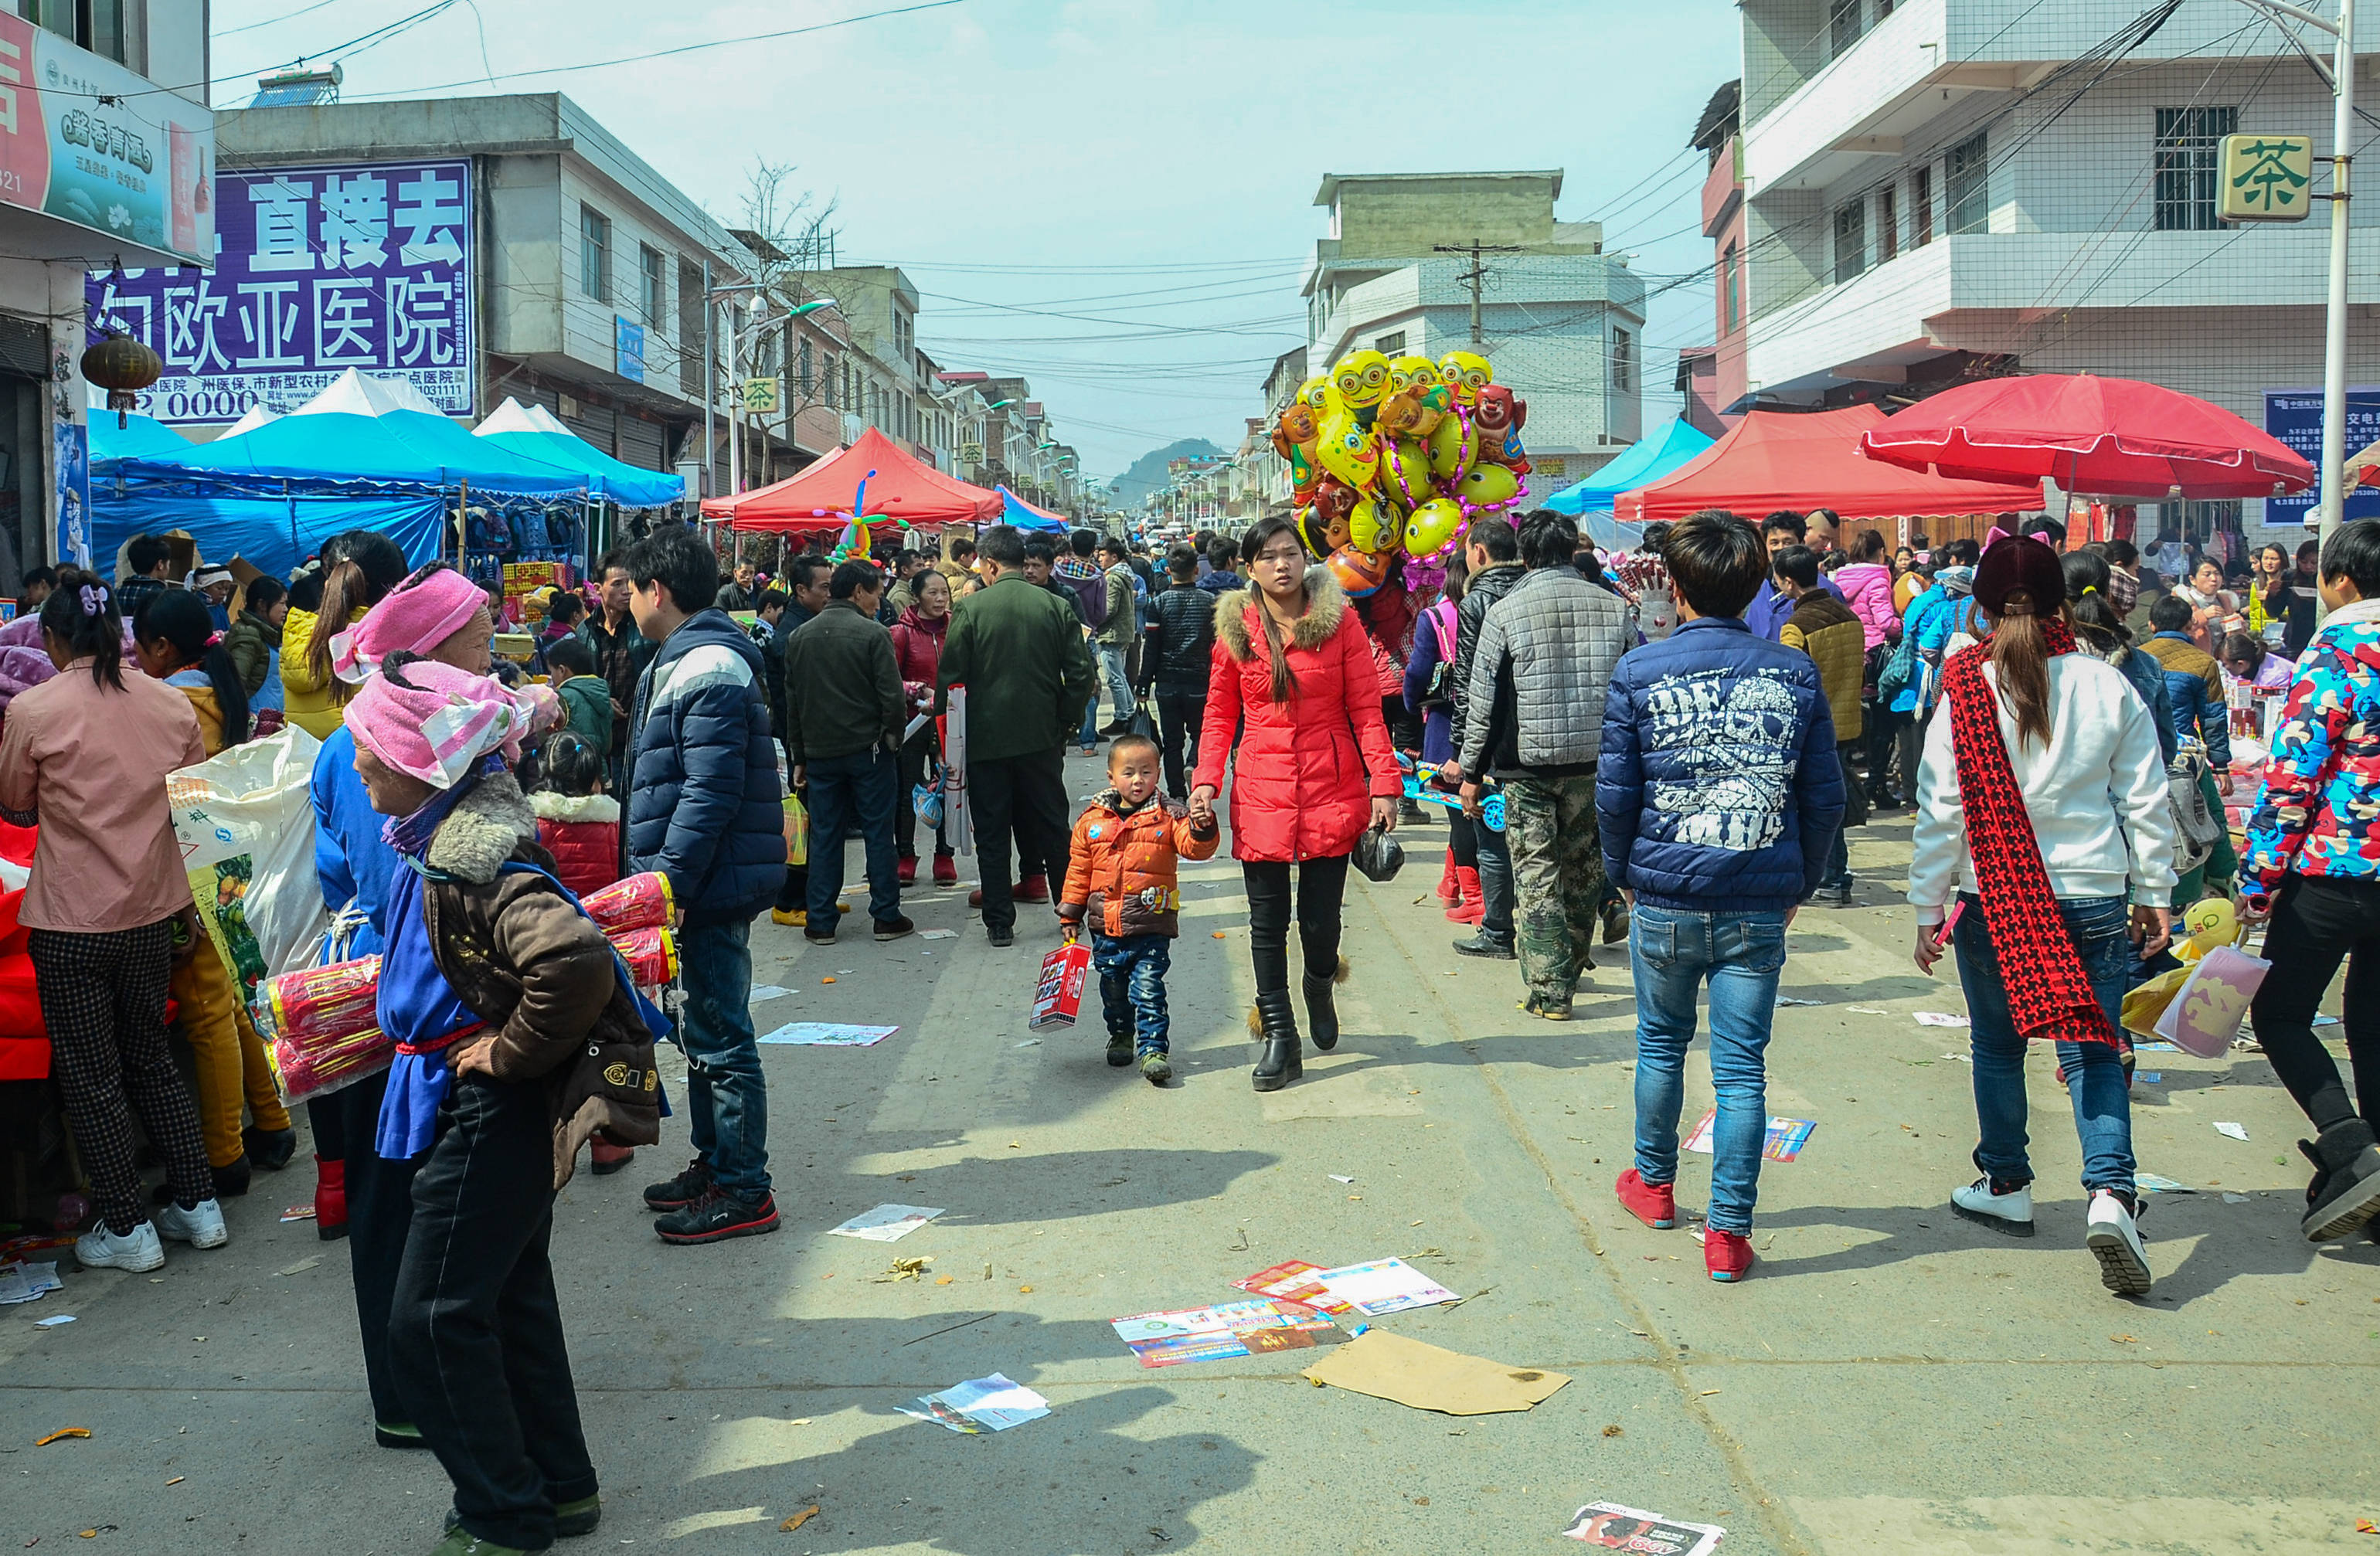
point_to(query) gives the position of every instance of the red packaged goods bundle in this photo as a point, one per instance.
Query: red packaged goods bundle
(651, 955)
(320, 1025)
(1059, 1000)
(640, 902)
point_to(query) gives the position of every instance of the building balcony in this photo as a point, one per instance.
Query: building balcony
(1723, 191)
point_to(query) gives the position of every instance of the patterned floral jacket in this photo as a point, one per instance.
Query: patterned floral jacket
(2319, 811)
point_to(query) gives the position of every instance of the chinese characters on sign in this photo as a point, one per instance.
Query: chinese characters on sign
(2266, 178)
(2294, 415)
(760, 398)
(318, 270)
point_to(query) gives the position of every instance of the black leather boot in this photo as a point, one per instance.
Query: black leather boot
(1281, 1061)
(1321, 1016)
(2345, 1193)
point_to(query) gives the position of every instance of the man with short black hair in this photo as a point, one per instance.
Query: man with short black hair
(738, 592)
(807, 586)
(150, 560)
(1020, 654)
(704, 809)
(1491, 550)
(957, 562)
(1218, 576)
(844, 715)
(621, 654)
(36, 587)
(1780, 531)
(1177, 661)
(1718, 793)
(1114, 639)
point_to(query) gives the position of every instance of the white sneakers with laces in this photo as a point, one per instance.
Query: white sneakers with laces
(201, 1226)
(2114, 1240)
(136, 1251)
(2011, 1213)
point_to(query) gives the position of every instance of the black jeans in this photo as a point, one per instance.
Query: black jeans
(476, 1331)
(1321, 886)
(1178, 719)
(2317, 922)
(380, 1218)
(916, 759)
(1024, 798)
(1462, 840)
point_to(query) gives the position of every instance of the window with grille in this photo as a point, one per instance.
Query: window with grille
(1851, 240)
(1731, 290)
(1967, 186)
(594, 253)
(1390, 345)
(1921, 207)
(690, 304)
(1887, 223)
(809, 368)
(653, 285)
(1624, 361)
(1843, 25)
(2189, 161)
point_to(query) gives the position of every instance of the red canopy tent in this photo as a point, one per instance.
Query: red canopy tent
(900, 487)
(1777, 459)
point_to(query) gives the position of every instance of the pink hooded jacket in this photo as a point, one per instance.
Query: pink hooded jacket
(1867, 590)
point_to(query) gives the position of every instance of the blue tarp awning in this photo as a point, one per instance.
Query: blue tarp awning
(533, 431)
(1023, 514)
(274, 531)
(141, 437)
(1648, 459)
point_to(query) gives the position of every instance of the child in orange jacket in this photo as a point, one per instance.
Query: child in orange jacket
(1123, 878)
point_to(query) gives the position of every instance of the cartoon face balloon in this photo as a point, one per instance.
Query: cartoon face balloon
(1361, 378)
(1398, 416)
(1322, 533)
(1466, 373)
(1432, 527)
(1348, 452)
(1405, 470)
(1334, 500)
(1411, 372)
(1487, 486)
(1452, 447)
(1370, 528)
(1359, 573)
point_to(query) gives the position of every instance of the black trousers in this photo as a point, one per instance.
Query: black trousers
(476, 1331)
(2317, 923)
(1178, 719)
(1321, 888)
(380, 1216)
(1025, 798)
(1461, 840)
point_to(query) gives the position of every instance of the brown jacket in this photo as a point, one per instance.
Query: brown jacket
(527, 961)
(1121, 874)
(1817, 628)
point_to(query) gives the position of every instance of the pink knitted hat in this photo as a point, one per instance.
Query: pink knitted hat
(438, 723)
(417, 616)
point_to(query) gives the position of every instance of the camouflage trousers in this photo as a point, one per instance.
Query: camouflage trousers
(1558, 876)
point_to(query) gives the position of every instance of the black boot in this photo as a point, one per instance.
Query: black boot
(2346, 1188)
(1281, 1062)
(1321, 1016)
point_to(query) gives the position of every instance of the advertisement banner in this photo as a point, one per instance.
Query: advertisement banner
(86, 140)
(70, 454)
(319, 270)
(2294, 415)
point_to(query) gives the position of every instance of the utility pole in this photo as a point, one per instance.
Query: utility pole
(1477, 274)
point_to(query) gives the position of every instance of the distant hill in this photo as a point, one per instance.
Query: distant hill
(1148, 472)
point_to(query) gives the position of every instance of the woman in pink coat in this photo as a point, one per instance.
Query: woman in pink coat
(1293, 701)
(1866, 583)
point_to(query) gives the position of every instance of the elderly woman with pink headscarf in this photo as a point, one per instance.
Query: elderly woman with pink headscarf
(518, 1035)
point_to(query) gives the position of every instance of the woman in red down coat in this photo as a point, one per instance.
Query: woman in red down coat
(1293, 677)
(917, 650)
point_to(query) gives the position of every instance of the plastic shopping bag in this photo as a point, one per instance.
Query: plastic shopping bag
(2205, 1016)
(798, 831)
(245, 820)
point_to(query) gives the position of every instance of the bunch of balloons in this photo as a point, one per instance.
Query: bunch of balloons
(1396, 455)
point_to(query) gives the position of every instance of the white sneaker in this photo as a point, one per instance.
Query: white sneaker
(2115, 1241)
(137, 1250)
(201, 1226)
(2011, 1212)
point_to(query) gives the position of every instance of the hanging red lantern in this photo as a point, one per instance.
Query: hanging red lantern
(122, 366)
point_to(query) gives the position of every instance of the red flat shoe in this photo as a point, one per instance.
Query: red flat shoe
(946, 870)
(1654, 1204)
(908, 870)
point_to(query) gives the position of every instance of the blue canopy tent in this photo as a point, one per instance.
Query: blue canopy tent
(1023, 514)
(1648, 459)
(533, 431)
(141, 437)
(273, 530)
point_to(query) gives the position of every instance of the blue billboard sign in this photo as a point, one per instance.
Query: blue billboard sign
(317, 270)
(2294, 415)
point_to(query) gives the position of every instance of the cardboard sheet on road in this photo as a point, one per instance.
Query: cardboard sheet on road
(1389, 1366)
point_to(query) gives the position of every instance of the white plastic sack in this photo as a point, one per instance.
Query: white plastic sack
(246, 823)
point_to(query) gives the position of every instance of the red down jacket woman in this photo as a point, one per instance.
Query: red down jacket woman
(1305, 771)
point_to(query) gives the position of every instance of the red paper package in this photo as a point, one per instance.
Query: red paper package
(1059, 1000)
(650, 953)
(640, 902)
(322, 1026)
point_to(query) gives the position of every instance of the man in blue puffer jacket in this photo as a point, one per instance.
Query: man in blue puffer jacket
(1718, 793)
(704, 808)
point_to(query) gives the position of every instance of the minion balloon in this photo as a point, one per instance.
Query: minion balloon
(1466, 373)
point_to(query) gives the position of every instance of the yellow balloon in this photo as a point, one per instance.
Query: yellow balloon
(1411, 372)
(1433, 527)
(1452, 446)
(1370, 528)
(1361, 378)
(1465, 372)
(1405, 470)
(1348, 451)
(1487, 486)
(1320, 397)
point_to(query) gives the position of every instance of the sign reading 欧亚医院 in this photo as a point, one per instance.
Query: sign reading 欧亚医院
(86, 140)
(317, 270)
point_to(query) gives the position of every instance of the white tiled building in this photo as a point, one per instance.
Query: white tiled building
(1936, 186)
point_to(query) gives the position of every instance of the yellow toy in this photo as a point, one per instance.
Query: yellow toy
(1320, 397)
(1452, 447)
(1348, 452)
(1361, 378)
(1466, 373)
(1369, 530)
(1432, 527)
(2201, 927)
(1487, 486)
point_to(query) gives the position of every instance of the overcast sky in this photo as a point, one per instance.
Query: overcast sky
(1110, 197)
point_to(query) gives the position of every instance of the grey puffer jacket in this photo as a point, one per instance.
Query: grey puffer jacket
(1539, 675)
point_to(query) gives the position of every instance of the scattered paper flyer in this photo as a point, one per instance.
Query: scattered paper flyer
(1938, 1018)
(2325, 1021)
(979, 1405)
(937, 934)
(886, 1224)
(1391, 1366)
(2236, 1131)
(2158, 1183)
(1615, 1527)
(1226, 1330)
(2153, 1077)
(766, 993)
(298, 1212)
(54, 1321)
(2158, 1048)
(828, 1034)
(1388, 1285)
(1786, 1137)
(1789, 999)
(23, 1283)
(1292, 1280)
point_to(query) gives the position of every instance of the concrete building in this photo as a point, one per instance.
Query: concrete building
(882, 306)
(1942, 189)
(110, 149)
(1562, 320)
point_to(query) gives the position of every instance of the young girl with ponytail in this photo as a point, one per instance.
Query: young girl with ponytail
(2040, 802)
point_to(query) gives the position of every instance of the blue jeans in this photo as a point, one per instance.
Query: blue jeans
(1088, 735)
(727, 1101)
(1132, 986)
(1119, 684)
(2095, 1072)
(844, 790)
(1672, 953)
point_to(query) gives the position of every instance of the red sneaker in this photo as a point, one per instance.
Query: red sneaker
(1033, 888)
(1727, 1255)
(1654, 1204)
(908, 870)
(946, 870)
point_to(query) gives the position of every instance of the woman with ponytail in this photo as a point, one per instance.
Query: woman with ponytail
(359, 568)
(176, 641)
(1294, 703)
(2041, 803)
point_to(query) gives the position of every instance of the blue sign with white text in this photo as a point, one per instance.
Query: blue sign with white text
(2294, 415)
(317, 270)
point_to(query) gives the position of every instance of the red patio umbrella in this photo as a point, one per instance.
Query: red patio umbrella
(2101, 437)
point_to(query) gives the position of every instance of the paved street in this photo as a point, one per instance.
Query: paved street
(1890, 1378)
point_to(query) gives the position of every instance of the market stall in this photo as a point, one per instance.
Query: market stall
(900, 488)
(1022, 514)
(1648, 459)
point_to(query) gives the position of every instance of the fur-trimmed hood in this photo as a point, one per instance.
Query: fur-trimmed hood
(472, 844)
(1326, 605)
(551, 807)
